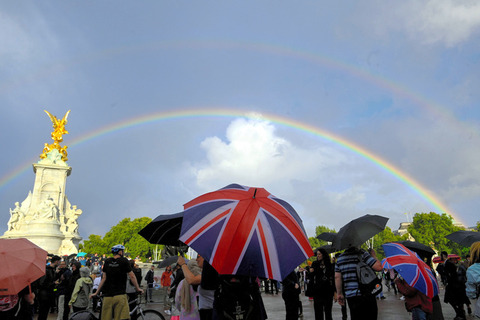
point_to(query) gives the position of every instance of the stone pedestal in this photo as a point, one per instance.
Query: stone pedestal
(46, 217)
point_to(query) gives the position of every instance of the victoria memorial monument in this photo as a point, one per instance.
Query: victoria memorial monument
(46, 216)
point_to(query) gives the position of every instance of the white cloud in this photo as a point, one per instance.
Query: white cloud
(254, 155)
(431, 22)
(449, 22)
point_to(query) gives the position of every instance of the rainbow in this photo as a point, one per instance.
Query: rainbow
(434, 109)
(230, 113)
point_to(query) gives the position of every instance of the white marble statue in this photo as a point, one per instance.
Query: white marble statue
(15, 216)
(48, 210)
(69, 222)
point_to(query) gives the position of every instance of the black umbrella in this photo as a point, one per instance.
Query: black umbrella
(327, 236)
(421, 249)
(464, 238)
(359, 231)
(168, 261)
(164, 229)
(328, 247)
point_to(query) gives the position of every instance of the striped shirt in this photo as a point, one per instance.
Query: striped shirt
(347, 266)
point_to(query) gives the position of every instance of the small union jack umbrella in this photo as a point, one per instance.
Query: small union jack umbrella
(415, 272)
(246, 231)
(385, 264)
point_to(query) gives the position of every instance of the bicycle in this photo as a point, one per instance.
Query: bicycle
(137, 313)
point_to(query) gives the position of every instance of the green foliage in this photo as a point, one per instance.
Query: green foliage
(431, 229)
(478, 226)
(94, 244)
(126, 233)
(314, 242)
(385, 236)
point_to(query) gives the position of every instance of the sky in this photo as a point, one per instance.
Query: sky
(339, 108)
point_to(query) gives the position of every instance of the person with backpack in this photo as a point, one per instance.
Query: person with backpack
(323, 285)
(73, 276)
(362, 305)
(81, 293)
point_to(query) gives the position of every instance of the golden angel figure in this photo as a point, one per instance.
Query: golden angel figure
(57, 136)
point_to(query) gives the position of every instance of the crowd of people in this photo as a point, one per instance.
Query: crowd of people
(193, 290)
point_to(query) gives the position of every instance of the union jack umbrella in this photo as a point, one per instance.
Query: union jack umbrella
(415, 272)
(385, 264)
(246, 231)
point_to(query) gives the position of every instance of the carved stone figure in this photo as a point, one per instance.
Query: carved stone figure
(49, 210)
(71, 217)
(15, 216)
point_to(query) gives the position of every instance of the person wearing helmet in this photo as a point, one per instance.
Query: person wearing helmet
(114, 284)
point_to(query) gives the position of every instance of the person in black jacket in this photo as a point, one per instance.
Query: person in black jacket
(46, 295)
(322, 272)
(70, 285)
(61, 276)
(150, 278)
(291, 295)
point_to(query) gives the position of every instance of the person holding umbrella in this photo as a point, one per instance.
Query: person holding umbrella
(416, 302)
(19, 306)
(361, 307)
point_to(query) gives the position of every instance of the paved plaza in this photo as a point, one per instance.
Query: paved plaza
(389, 308)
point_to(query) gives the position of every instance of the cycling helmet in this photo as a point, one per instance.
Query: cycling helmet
(117, 248)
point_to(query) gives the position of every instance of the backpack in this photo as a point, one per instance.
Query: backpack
(368, 282)
(8, 302)
(234, 299)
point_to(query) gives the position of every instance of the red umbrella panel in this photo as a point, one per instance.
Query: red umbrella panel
(450, 256)
(22, 262)
(246, 231)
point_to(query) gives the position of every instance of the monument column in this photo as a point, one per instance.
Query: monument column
(46, 217)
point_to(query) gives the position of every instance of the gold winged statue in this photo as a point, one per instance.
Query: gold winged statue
(57, 136)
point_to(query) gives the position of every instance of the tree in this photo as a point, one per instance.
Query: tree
(126, 233)
(431, 229)
(95, 244)
(384, 236)
(314, 242)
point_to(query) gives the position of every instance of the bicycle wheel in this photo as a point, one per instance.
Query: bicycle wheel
(150, 315)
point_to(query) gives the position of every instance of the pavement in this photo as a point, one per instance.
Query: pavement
(389, 308)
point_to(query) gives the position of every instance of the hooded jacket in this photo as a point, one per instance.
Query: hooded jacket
(83, 288)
